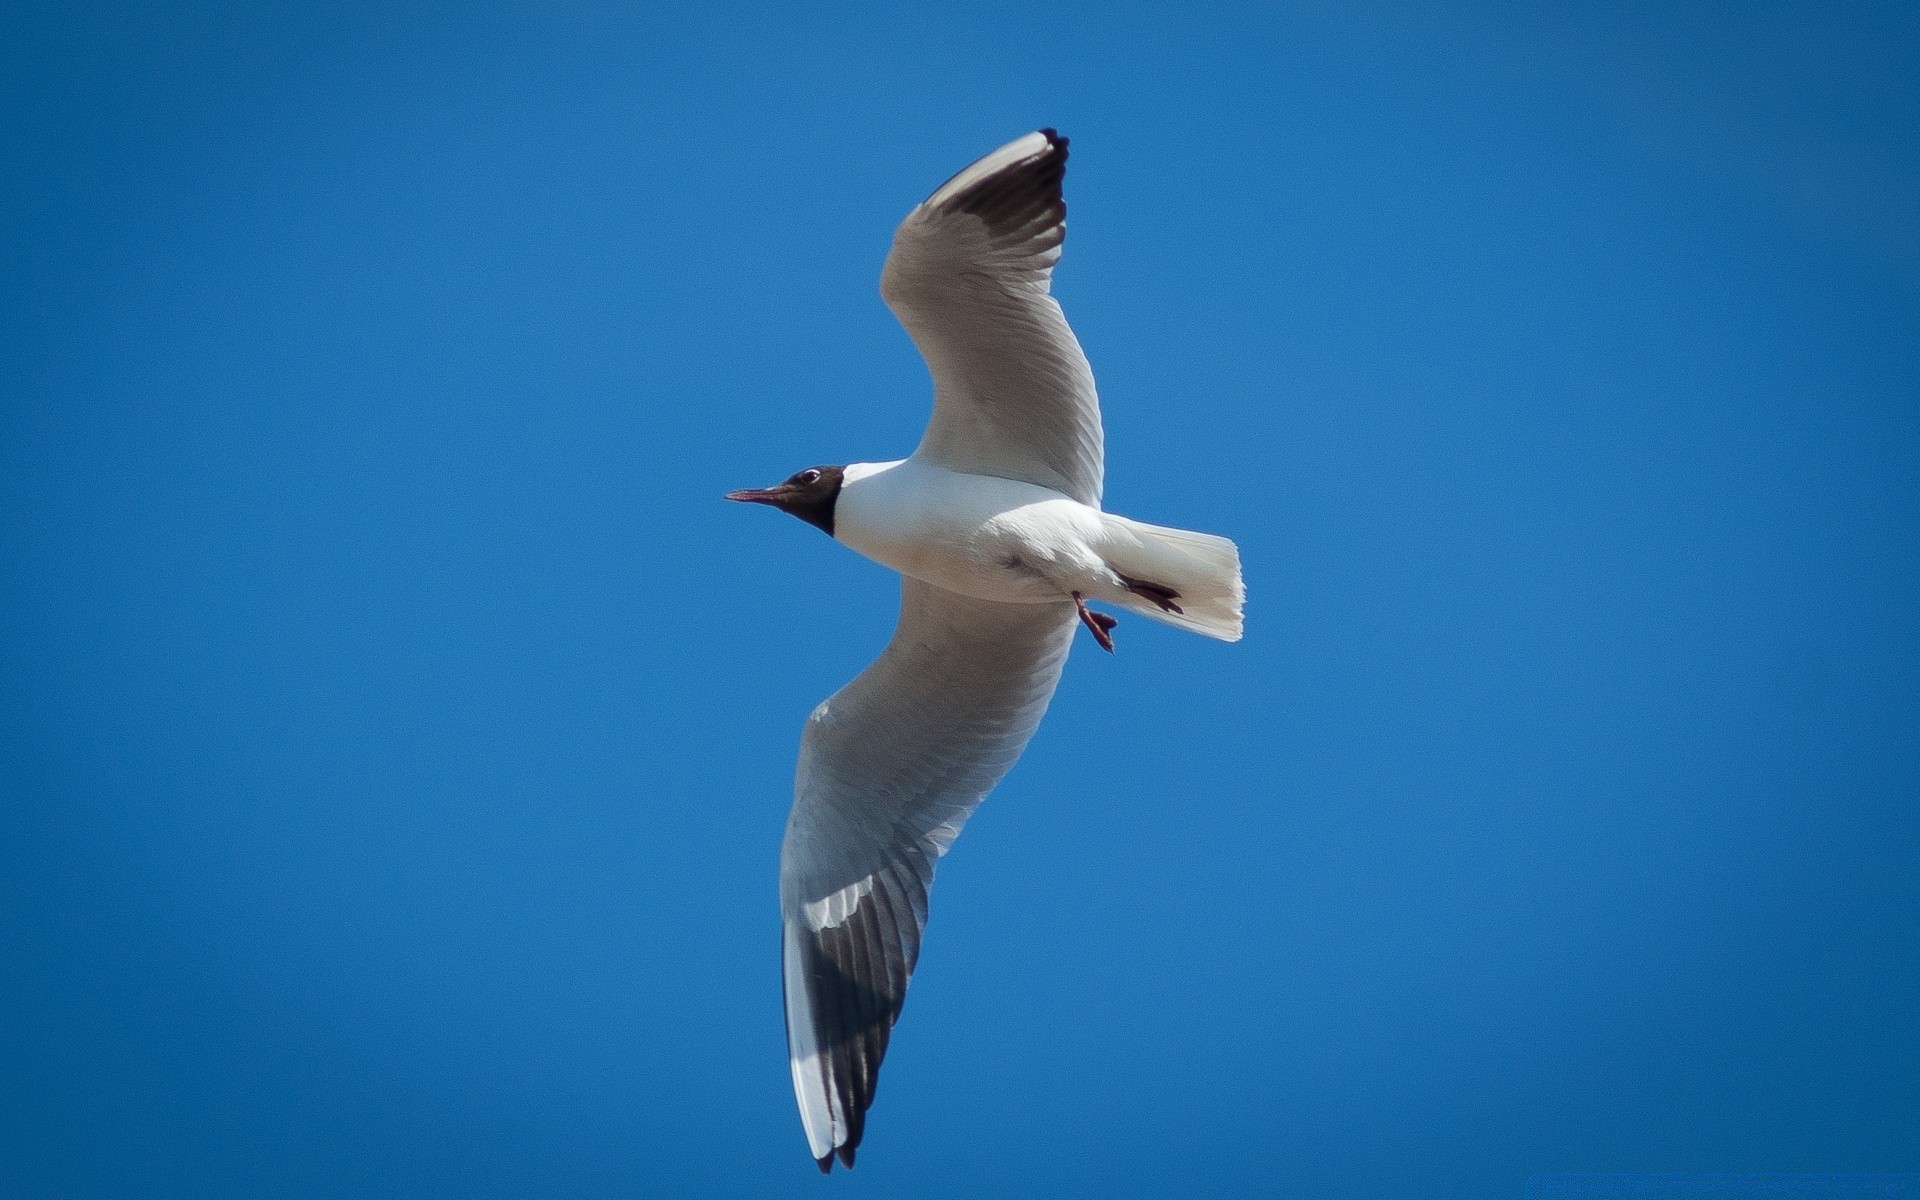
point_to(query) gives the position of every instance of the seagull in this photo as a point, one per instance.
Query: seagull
(995, 526)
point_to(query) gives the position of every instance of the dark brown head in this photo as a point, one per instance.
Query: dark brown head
(809, 495)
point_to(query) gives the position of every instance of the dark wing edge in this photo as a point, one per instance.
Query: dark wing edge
(844, 987)
(1021, 202)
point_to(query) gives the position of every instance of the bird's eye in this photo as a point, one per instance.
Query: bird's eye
(807, 476)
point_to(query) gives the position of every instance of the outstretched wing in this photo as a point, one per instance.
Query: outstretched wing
(891, 766)
(968, 276)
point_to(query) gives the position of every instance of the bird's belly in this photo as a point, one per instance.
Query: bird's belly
(980, 562)
(988, 569)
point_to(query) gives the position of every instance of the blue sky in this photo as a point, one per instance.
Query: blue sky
(397, 728)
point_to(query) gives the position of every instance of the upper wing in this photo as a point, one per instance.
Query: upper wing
(968, 276)
(891, 766)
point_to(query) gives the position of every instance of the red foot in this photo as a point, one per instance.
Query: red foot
(1098, 624)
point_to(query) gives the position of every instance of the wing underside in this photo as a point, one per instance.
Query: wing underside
(970, 277)
(890, 768)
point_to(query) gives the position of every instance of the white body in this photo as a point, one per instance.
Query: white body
(992, 539)
(1020, 543)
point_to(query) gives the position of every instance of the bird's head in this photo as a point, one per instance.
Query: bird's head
(808, 494)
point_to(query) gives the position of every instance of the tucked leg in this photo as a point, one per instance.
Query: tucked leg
(1159, 593)
(1098, 624)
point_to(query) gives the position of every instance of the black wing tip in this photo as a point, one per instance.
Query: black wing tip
(1054, 157)
(1039, 172)
(854, 977)
(1020, 194)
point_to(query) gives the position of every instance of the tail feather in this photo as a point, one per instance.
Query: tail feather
(1203, 567)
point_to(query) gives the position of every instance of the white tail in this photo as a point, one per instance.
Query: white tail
(1203, 568)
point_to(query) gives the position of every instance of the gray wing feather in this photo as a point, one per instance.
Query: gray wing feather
(969, 276)
(890, 768)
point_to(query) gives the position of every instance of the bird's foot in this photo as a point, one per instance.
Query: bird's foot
(1159, 593)
(1099, 624)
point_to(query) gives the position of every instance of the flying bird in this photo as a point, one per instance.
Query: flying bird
(994, 523)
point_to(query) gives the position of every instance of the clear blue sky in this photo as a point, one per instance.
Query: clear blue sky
(397, 727)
